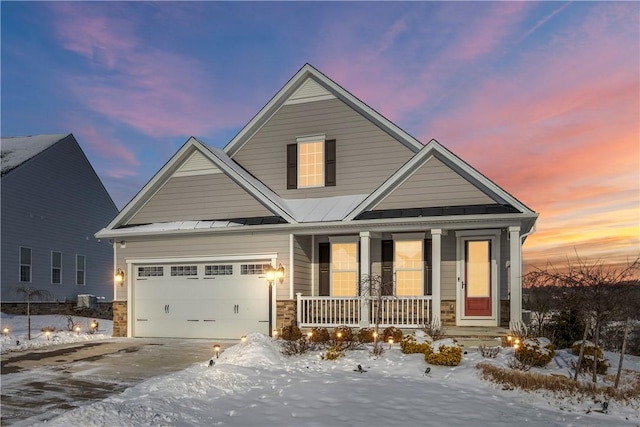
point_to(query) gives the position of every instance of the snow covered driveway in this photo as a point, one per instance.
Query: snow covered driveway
(42, 383)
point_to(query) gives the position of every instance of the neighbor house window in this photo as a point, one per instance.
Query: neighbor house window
(311, 162)
(56, 267)
(344, 269)
(80, 269)
(408, 267)
(25, 264)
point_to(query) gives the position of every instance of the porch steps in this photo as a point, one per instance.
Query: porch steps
(478, 342)
(476, 336)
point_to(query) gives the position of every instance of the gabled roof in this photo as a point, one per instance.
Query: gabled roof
(16, 150)
(434, 148)
(245, 180)
(290, 88)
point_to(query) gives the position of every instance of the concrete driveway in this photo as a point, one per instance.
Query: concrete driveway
(39, 384)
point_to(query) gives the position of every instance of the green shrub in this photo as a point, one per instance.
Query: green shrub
(319, 335)
(447, 355)
(535, 352)
(589, 349)
(365, 335)
(334, 352)
(410, 345)
(291, 333)
(342, 334)
(392, 332)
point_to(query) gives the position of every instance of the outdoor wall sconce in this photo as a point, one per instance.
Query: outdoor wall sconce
(273, 274)
(216, 350)
(119, 276)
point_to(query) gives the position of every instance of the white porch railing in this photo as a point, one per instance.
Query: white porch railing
(407, 312)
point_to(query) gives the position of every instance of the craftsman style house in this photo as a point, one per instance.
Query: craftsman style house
(52, 204)
(364, 220)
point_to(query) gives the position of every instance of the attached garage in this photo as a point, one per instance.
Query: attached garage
(221, 299)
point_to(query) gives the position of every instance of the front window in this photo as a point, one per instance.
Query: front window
(25, 264)
(344, 269)
(408, 254)
(56, 268)
(80, 270)
(310, 164)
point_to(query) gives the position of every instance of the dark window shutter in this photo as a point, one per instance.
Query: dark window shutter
(324, 260)
(330, 163)
(387, 267)
(428, 259)
(292, 166)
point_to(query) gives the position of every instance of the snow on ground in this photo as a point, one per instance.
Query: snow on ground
(253, 384)
(16, 338)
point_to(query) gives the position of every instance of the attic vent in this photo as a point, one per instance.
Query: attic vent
(310, 91)
(197, 164)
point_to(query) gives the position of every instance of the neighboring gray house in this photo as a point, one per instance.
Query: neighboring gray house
(52, 204)
(326, 187)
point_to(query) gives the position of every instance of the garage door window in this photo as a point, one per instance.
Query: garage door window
(184, 270)
(218, 270)
(150, 271)
(253, 268)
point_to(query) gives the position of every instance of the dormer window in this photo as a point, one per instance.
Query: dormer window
(311, 162)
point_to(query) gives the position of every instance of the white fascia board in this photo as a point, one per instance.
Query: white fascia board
(387, 224)
(292, 85)
(154, 184)
(217, 258)
(392, 182)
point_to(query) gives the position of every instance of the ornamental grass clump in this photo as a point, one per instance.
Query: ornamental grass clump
(445, 353)
(535, 352)
(334, 352)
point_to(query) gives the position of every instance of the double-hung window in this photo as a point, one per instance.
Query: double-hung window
(56, 267)
(344, 269)
(311, 162)
(25, 264)
(80, 269)
(408, 267)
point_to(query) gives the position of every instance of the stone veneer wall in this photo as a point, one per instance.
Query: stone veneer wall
(103, 310)
(448, 312)
(286, 313)
(120, 318)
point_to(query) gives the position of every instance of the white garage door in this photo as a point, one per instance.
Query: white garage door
(200, 300)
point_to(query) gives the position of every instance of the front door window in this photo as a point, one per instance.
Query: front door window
(477, 283)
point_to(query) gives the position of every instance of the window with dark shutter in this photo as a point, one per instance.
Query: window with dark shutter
(387, 267)
(292, 166)
(330, 163)
(324, 261)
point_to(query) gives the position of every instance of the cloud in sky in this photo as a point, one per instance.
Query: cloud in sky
(541, 97)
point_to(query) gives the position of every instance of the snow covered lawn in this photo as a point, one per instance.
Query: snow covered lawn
(253, 384)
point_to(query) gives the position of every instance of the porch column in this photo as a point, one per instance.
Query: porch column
(515, 279)
(365, 272)
(436, 251)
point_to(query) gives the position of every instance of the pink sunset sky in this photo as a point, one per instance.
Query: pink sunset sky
(541, 97)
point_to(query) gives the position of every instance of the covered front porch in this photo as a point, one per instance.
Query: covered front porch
(446, 263)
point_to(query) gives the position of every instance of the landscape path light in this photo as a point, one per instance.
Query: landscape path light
(216, 350)
(78, 330)
(48, 334)
(5, 331)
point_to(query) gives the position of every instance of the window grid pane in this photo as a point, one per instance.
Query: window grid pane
(80, 269)
(344, 269)
(155, 271)
(184, 270)
(56, 268)
(311, 164)
(248, 269)
(218, 270)
(25, 264)
(408, 266)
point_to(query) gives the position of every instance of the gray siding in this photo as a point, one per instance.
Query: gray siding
(199, 197)
(434, 185)
(207, 245)
(302, 259)
(366, 156)
(448, 275)
(505, 256)
(56, 202)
